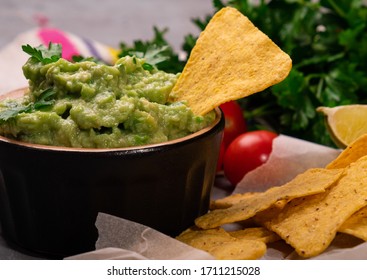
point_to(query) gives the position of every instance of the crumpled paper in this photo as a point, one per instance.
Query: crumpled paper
(123, 239)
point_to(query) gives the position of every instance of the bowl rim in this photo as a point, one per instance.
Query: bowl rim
(20, 92)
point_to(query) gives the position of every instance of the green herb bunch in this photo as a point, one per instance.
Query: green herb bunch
(327, 41)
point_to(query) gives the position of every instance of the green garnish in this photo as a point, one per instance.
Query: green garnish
(44, 55)
(44, 100)
(80, 58)
(157, 52)
(153, 56)
(13, 109)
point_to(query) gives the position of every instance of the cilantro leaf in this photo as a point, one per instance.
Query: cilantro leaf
(13, 109)
(148, 67)
(43, 54)
(153, 55)
(45, 99)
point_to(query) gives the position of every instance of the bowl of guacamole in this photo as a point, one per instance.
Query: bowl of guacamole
(87, 104)
(84, 138)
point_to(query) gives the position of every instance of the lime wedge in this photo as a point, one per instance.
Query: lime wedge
(345, 123)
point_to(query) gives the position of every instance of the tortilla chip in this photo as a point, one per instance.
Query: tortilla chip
(222, 245)
(356, 225)
(309, 224)
(240, 250)
(255, 233)
(232, 59)
(350, 154)
(230, 200)
(204, 239)
(312, 181)
(264, 217)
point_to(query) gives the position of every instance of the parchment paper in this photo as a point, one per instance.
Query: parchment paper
(123, 239)
(290, 157)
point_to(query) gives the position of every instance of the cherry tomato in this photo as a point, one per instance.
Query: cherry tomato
(235, 123)
(248, 151)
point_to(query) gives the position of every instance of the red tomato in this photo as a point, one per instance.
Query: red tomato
(246, 152)
(235, 123)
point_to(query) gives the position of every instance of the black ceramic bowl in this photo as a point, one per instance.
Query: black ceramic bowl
(50, 196)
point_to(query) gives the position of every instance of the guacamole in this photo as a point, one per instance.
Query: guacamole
(93, 105)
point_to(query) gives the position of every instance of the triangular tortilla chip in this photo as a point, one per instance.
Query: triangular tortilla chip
(231, 59)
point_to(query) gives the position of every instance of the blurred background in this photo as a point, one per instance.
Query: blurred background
(107, 21)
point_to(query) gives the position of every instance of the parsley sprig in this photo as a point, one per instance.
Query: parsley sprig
(153, 56)
(44, 100)
(44, 54)
(157, 52)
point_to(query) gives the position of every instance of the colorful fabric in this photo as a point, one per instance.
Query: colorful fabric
(74, 45)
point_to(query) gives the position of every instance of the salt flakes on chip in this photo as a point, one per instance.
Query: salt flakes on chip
(232, 59)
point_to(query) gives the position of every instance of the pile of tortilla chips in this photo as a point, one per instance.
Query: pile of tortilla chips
(307, 212)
